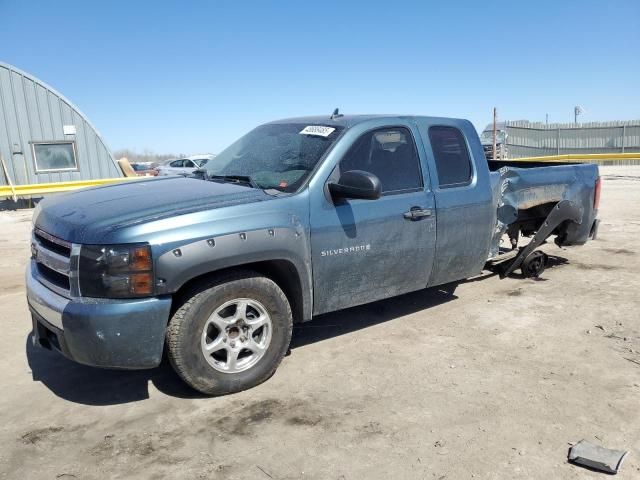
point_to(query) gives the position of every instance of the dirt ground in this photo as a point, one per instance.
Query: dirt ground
(491, 381)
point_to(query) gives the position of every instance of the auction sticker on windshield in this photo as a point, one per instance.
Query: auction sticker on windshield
(319, 130)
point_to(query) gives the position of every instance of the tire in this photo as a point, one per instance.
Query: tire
(534, 264)
(188, 342)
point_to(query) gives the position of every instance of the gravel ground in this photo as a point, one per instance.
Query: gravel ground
(491, 380)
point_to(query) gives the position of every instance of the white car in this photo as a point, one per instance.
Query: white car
(184, 166)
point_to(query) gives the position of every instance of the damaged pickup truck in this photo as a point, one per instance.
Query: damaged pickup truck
(297, 218)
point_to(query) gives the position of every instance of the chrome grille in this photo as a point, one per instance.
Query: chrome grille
(52, 258)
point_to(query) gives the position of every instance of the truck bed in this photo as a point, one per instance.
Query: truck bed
(498, 164)
(525, 193)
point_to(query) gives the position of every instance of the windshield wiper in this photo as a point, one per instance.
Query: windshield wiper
(244, 179)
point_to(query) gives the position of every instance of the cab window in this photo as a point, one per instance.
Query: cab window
(451, 154)
(391, 155)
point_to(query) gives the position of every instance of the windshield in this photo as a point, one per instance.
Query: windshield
(200, 162)
(486, 138)
(278, 156)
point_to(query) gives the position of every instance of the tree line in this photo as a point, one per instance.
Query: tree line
(145, 156)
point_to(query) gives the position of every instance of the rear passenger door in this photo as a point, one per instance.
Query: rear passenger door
(463, 197)
(174, 167)
(366, 250)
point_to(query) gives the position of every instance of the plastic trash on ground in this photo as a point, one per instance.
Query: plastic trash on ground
(594, 456)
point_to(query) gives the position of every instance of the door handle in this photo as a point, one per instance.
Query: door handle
(416, 213)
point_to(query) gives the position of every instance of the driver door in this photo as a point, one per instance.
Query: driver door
(366, 250)
(188, 168)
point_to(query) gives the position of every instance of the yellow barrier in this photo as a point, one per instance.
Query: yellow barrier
(38, 189)
(573, 157)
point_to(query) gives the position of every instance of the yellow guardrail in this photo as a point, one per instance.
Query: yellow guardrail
(38, 189)
(576, 157)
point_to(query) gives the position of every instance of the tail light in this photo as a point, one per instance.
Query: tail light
(596, 194)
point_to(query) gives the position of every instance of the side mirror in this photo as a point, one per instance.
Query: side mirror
(356, 184)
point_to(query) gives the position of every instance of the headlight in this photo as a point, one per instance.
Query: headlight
(115, 271)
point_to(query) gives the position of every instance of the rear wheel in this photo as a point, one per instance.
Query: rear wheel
(230, 334)
(534, 264)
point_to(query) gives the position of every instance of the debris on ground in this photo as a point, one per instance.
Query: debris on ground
(586, 454)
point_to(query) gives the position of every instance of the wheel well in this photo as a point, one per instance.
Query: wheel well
(282, 272)
(532, 219)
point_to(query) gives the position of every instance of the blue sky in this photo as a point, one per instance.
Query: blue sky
(192, 76)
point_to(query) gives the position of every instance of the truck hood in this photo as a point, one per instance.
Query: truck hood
(87, 216)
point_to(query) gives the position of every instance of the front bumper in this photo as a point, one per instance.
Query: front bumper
(99, 332)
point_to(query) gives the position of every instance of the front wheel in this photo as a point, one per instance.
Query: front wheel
(230, 334)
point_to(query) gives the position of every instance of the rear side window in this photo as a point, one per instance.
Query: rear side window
(176, 163)
(390, 154)
(451, 155)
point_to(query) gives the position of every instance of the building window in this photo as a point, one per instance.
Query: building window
(54, 156)
(452, 157)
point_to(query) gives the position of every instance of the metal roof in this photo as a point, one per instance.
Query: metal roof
(32, 111)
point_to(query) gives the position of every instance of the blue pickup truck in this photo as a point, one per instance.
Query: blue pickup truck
(297, 218)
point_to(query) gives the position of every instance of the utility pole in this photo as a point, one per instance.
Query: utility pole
(495, 119)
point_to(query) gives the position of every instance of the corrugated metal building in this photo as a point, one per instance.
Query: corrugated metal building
(531, 139)
(44, 137)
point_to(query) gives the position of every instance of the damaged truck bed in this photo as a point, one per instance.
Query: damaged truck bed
(539, 200)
